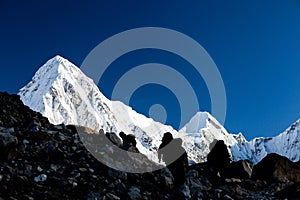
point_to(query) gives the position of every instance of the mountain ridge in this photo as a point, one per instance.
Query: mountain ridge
(64, 94)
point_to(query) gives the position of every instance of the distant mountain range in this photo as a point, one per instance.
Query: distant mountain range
(64, 94)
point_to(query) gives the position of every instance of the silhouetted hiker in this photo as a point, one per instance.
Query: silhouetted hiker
(129, 142)
(167, 138)
(219, 157)
(123, 136)
(169, 151)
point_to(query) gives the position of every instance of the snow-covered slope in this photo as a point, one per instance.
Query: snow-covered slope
(64, 94)
(286, 144)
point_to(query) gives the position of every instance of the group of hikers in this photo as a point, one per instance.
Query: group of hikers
(175, 157)
(170, 152)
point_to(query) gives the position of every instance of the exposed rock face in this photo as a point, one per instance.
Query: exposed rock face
(7, 142)
(290, 192)
(241, 169)
(51, 162)
(114, 138)
(276, 168)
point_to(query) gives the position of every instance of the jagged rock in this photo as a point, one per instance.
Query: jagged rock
(233, 180)
(290, 192)
(134, 193)
(167, 177)
(241, 169)
(112, 196)
(276, 168)
(7, 130)
(185, 190)
(40, 178)
(94, 196)
(227, 197)
(59, 127)
(7, 143)
(120, 187)
(6, 139)
(114, 138)
(192, 173)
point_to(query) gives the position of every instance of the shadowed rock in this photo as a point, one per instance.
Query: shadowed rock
(114, 138)
(7, 144)
(276, 168)
(241, 169)
(290, 192)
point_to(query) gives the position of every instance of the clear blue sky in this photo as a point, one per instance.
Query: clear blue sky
(255, 44)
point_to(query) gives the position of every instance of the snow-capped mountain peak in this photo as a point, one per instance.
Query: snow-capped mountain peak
(286, 144)
(64, 94)
(202, 131)
(199, 121)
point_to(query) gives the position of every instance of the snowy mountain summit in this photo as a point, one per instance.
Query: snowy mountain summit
(286, 144)
(201, 133)
(64, 94)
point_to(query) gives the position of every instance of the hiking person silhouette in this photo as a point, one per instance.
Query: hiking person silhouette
(218, 157)
(168, 151)
(129, 142)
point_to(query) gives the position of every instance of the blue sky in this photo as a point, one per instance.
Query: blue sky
(255, 44)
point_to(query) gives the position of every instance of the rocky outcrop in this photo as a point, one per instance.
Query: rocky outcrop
(50, 161)
(276, 168)
(7, 143)
(241, 169)
(290, 192)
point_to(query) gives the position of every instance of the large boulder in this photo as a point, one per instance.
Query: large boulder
(275, 168)
(7, 142)
(290, 192)
(114, 138)
(241, 169)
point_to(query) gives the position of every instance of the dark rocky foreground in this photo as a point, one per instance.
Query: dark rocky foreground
(41, 161)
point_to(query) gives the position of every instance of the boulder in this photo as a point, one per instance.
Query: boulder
(241, 169)
(114, 138)
(275, 168)
(6, 140)
(290, 192)
(7, 143)
(134, 193)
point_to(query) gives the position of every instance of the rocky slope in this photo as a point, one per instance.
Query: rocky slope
(39, 160)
